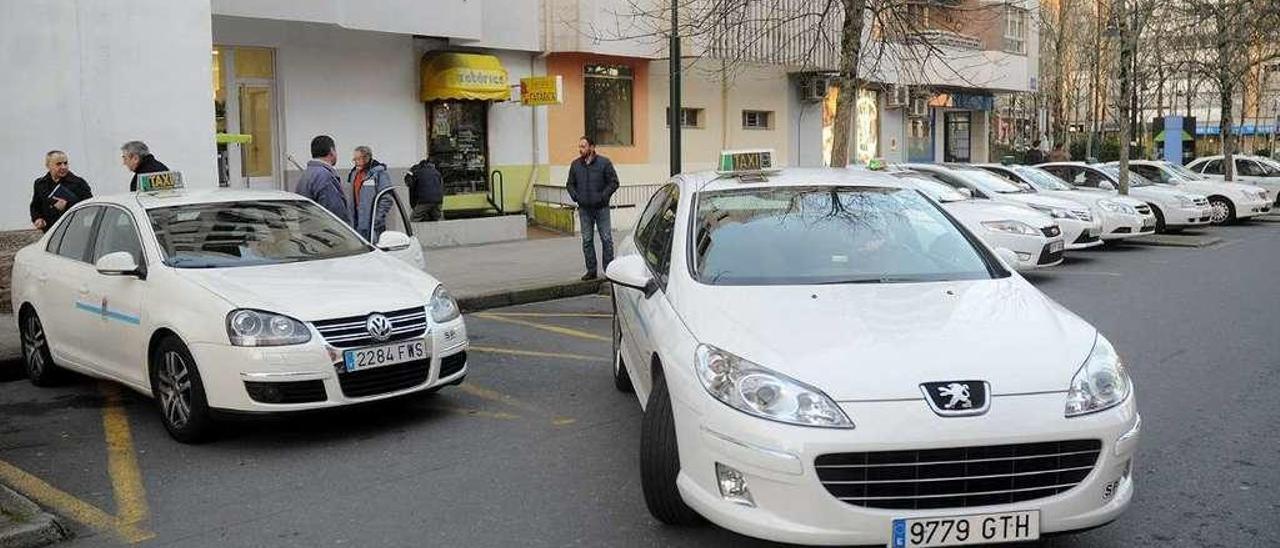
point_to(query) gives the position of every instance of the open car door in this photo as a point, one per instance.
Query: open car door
(395, 234)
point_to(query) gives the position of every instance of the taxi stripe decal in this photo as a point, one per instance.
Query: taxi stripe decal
(109, 314)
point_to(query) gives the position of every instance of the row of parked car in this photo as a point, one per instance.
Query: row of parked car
(1040, 212)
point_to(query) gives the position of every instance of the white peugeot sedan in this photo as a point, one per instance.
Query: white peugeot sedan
(1254, 170)
(1230, 201)
(816, 366)
(1033, 237)
(226, 301)
(1121, 216)
(1080, 229)
(1174, 209)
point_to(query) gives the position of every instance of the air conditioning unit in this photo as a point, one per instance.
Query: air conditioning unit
(919, 107)
(898, 96)
(813, 88)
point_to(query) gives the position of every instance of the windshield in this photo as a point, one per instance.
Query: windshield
(1042, 179)
(1182, 172)
(1272, 167)
(827, 235)
(932, 189)
(991, 182)
(1134, 178)
(250, 233)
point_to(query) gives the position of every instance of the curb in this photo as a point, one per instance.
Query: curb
(500, 299)
(25, 525)
(1174, 240)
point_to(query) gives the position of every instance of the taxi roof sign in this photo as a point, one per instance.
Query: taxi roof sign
(746, 162)
(160, 180)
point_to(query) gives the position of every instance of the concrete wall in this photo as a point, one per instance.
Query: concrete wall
(86, 76)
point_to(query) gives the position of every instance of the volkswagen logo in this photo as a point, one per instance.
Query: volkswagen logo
(378, 326)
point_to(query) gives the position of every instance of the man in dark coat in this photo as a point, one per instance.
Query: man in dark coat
(137, 157)
(426, 191)
(592, 182)
(58, 190)
(1035, 156)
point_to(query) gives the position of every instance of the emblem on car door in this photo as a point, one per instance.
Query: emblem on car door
(378, 326)
(957, 398)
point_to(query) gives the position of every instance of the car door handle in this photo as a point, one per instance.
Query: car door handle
(84, 290)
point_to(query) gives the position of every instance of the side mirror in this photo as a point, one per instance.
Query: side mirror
(1106, 185)
(630, 272)
(1008, 257)
(120, 263)
(394, 241)
(967, 193)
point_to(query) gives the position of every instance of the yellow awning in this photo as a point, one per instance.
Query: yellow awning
(464, 76)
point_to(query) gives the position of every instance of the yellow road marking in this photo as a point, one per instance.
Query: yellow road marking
(122, 461)
(64, 503)
(545, 327)
(536, 354)
(549, 315)
(473, 412)
(494, 395)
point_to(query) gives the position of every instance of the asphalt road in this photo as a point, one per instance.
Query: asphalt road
(537, 449)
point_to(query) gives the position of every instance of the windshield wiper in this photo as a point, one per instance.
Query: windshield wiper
(875, 280)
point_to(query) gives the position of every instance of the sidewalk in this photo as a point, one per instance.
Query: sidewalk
(492, 275)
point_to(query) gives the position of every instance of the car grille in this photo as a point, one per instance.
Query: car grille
(388, 378)
(1049, 257)
(1143, 209)
(1122, 230)
(450, 365)
(286, 392)
(958, 477)
(350, 332)
(1051, 231)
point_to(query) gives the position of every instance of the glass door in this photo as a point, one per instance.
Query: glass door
(957, 147)
(257, 120)
(246, 115)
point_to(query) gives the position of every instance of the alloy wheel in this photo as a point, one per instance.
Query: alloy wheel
(175, 389)
(1221, 212)
(33, 346)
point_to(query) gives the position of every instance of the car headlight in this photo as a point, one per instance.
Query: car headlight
(1055, 212)
(756, 390)
(248, 327)
(1117, 207)
(443, 307)
(1186, 201)
(1011, 227)
(1101, 383)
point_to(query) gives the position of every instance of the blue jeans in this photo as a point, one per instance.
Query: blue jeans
(591, 221)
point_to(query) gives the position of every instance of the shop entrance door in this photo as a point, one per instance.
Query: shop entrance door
(245, 109)
(458, 137)
(956, 144)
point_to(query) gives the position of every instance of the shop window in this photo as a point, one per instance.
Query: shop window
(689, 117)
(459, 145)
(608, 97)
(255, 63)
(757, 119)
(1015, 30)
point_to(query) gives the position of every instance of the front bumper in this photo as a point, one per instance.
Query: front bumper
(228, 372)
(1183, 217)
(1254, 208)
(1078, 234)
(1118, 226)
(791, 505)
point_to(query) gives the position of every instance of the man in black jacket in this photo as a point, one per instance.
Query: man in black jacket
(426, 192)
(137, 157)
(58, 190)
(592, 181)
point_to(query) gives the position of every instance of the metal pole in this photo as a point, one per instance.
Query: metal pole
(675, 87)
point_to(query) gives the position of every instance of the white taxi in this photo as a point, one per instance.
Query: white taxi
(1230, 201)
(1121, 216)
(816, 368)
(1174, 209)
(232, 301)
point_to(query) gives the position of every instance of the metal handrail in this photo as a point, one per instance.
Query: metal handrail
(500, 189)
(626, 196)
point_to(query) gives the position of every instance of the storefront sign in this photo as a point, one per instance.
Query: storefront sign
(965, 101)
(465, 76)
(542, 90)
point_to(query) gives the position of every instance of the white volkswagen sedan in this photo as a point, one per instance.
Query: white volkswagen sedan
(1033, 237)
(817, 366)
(1230, 201)
(232, 301)
(1120, 216)
(1174, 209)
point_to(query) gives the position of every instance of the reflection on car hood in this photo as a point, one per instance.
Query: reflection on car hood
(1043, 200)
(1206, 187)
(1091, 197)
(974, 212)
(1159, 191)
(880, 341)
(316, 290)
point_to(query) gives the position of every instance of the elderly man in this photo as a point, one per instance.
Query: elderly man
(320, 182)
(137, 157)
(368, 178)
(58, 190)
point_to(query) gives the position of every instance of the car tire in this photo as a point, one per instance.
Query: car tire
(1160, 228)
(621, 378)
(660, 460)
(1223, 212)
(37, 361)
(179, 393)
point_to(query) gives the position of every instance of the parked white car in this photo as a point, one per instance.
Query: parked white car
(1230, 201)
(1079, 227)
(1253, 170)
(816, 366)
(1121, 216)
(1034, 237)
(233, 302)
(1174, 209)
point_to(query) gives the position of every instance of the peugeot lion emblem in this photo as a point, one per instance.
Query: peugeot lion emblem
(957, 398)
(379, 327)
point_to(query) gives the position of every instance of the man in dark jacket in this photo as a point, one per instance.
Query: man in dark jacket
(592, 181)
(137, 157)
(58, 190)
(426, 191)
(1034, 154)
(321, 183)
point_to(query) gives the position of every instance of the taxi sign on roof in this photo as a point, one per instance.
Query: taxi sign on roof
(738, 162)
(160, 180)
